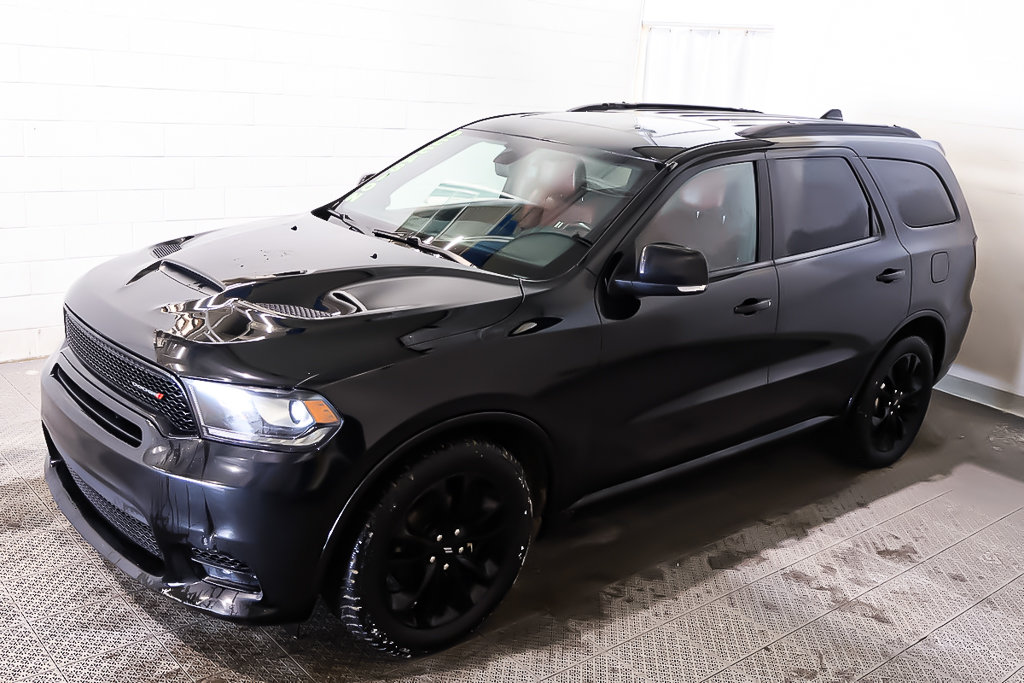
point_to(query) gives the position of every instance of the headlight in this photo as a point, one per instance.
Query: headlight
(262, 417)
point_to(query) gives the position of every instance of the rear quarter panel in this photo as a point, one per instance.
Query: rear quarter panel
(950, 298)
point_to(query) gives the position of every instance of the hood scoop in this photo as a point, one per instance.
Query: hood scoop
(337, 304)
(181, 273)
(225, 318)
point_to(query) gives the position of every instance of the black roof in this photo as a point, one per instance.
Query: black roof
(660, 131)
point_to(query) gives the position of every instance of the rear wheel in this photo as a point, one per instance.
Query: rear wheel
(892, 404)
(438, 552)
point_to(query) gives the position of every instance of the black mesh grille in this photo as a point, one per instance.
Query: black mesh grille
(166, 249)
(219, 559)
(132, 529)
(144, 384)
(296, 311)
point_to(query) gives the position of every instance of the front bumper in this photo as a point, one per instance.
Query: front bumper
(161, 508)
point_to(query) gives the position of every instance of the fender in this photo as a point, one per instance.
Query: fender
(397, 456)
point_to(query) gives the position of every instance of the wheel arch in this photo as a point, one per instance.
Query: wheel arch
(925, 324)
(929, 326)
(523, 437)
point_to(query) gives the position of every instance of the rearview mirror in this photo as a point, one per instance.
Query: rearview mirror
(666, 270)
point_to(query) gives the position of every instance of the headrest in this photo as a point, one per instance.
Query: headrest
(561, 176)
(546, 174)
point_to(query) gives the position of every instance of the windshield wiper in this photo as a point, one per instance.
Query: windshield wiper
(344, 218)
(416, 243)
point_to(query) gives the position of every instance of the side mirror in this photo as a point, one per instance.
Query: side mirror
(666, 270)
(367, 177)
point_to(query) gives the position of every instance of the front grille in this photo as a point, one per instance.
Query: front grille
(123, 429)
(139, 533)
(145, 384)
(219, 559)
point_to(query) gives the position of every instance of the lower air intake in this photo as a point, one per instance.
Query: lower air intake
(137, 532)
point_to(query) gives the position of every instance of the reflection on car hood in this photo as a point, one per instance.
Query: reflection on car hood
(189, 304)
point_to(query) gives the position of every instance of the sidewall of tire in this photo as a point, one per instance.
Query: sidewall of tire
(360, 601)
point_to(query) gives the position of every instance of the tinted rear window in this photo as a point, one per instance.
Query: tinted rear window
(920, 197)
(817, 202)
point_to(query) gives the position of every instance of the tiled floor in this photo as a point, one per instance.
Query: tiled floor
(778, 564)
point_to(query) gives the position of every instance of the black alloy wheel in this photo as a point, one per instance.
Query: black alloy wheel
(438, 552)
(892, 404)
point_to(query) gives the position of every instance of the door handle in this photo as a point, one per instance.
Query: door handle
(890, 275)
(752, 306)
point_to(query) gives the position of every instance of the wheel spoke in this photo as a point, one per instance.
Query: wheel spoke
(459, 589)
(403, 601)
(405, 560)
(907, 373)
(476, 568)
(899, 427)
(404, 537)
(901, 371)
(482, 537)
(426, 512)
(430, 601)
(463, 492)
(886, 437)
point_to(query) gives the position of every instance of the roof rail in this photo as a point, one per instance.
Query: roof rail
(615, 106)
(823, 127)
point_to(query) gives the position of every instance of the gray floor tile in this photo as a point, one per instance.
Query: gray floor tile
(21, 653)
(74, 634)
(55, 591)
(209, 647)
(144, 660)
(1016, 677)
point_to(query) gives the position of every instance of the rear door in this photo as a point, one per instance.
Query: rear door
(844, 279)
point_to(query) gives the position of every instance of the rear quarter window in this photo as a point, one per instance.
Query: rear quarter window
(914, 191)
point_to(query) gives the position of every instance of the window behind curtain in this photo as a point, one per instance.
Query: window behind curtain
(725, 66)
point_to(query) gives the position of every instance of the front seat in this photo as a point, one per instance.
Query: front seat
(554, 185)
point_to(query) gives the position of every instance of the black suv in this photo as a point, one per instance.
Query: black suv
(377, 401)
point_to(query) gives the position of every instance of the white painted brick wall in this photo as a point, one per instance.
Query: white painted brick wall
(123, 123)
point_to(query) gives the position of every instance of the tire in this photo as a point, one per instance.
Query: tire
(437, 553)
(891, 405)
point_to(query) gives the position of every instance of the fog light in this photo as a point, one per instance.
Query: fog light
(223, 569)
(233, 578)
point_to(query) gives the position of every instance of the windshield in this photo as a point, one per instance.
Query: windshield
(503, 203)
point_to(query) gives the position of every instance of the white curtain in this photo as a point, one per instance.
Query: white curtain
(713, 66)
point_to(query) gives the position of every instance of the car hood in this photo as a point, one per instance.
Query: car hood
(284, 301)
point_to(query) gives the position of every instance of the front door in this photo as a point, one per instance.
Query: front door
(684, 375)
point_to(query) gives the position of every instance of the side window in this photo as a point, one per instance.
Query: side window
(817, 202)
(919, 196)
(714, 212)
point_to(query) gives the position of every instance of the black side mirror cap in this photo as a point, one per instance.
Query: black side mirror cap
(666, 270)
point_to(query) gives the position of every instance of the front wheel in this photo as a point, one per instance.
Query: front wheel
(437, 552)
(892, 404)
